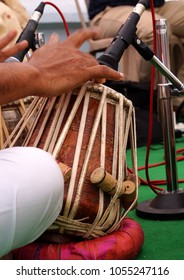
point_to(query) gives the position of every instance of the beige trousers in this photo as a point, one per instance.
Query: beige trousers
(135, 68)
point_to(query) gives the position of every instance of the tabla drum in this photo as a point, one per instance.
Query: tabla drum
(89, 130)
(10, 115)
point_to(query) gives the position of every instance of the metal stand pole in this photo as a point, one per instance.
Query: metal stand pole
(166, 107)
(166, 116)
(167, 204)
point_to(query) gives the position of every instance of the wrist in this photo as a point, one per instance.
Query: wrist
(18, 80)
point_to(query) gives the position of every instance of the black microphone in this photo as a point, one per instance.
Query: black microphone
(28, 34)
(124, 37)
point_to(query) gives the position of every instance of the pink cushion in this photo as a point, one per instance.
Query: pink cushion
(123, 244)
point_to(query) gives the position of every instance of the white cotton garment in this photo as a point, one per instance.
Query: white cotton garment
(31, 195)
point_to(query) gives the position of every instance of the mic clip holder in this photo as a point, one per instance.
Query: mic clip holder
(39, 40)
(177, 87)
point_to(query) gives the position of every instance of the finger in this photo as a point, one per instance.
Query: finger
(80, 36)
(7, 39)
(99, 81)
(13, 50)
(102, 72)
(54, 38)
(18, 47)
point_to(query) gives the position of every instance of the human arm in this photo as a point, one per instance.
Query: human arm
(53, 69)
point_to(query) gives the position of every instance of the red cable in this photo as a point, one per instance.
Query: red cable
(159, 182)
(144, 182)
(180, 151)
(150, 130)
(179, 158)
(62, 16)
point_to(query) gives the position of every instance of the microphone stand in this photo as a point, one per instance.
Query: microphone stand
(168, 204)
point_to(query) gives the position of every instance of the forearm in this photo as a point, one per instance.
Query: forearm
(18, 80)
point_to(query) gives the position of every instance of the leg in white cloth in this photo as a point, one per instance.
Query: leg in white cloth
(31, 195)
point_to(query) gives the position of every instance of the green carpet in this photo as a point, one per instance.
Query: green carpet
(164, 240)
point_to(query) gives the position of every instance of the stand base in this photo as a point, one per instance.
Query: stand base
(165, 206)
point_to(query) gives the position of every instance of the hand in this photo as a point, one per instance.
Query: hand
(61, 66)
(5, 51)
(53, 69)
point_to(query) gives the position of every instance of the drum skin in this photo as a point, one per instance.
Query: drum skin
(123, 244)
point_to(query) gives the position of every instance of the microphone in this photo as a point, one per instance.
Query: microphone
(28, 34)
(124, 37)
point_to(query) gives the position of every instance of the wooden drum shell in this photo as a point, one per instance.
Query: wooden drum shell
(86, 129)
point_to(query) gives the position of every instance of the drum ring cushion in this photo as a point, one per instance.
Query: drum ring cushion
(123, 244)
